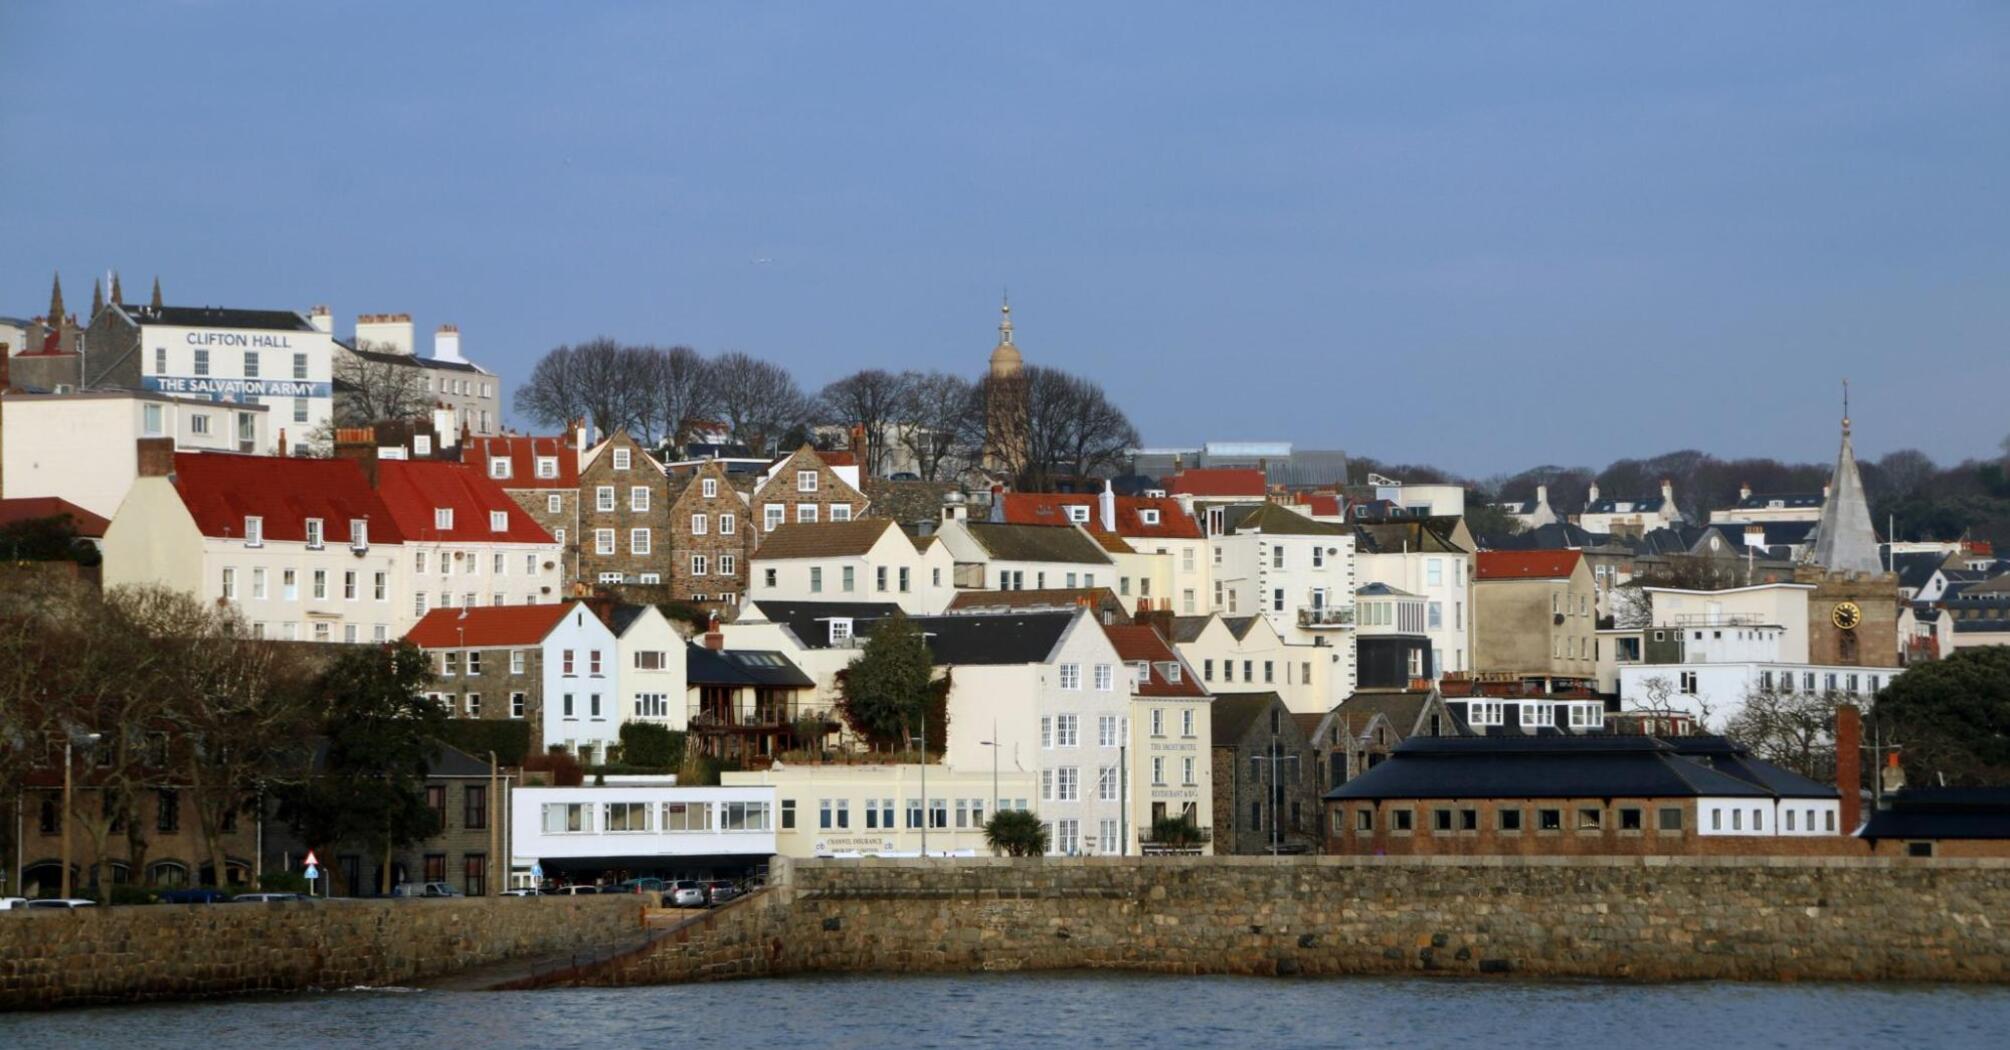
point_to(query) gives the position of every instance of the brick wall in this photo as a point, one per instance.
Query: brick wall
(1609, 838)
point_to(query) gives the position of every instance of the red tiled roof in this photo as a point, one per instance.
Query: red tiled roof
(1319, 504)
(30, 508)
(1030, 508)
(1526, 565)
(487, 626)
(413, 489)
(1143, 643)
(1218, 481)
(839, 458)
(522, 450)
(221, 489)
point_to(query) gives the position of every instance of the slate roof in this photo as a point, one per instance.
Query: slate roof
(221, 489)
(1942, 813)
(823, 539)
(31, 508)
(1395, 537)
(487, 626)
(810, 621)
(1525, 565)
(1764, 500)
(1240, 625)
(1554, 536)
(1402, 707)
(1382, 590)
(1916, 569)
(1646, 505)
(1050, 543)
(907, 502)
(214, 317)
(620, 618)
(703, 666)
(415, 361)
(413, 489)
(1233, 715)
(1275, 520)
(993, 639)
(1187, 628)
(1557, 767)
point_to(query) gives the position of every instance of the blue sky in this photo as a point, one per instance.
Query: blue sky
(1484, 235)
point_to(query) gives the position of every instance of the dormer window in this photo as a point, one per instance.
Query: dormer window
(1143, 670)
(314, 533)
(498, 521)
(359, 533)
(840, 631)
(1148, 517)
(1171, 671)
(254, 531)
(498, 467)
(621, 459)
(443, 517)
(547, 466)
(806, 481)
(1078, 514)
(422, 444)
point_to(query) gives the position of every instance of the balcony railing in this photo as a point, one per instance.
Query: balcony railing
(1716, 620)
(756, 715)
(1326, 616)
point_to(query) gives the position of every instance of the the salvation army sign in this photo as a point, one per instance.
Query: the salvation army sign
(236, 389)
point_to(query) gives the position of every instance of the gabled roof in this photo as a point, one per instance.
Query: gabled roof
(1916, 568)
(1404, 708)
(1554, 536)
(1053, 543)
(523, 452)
(31, 508)
(487, 626)
(1401, 537)
(1644, 505)
(413, 490)
(907, 502)
(1188, 628)
(1218, 481)
(810, 621)
(823, 539)
(1031, 508)
(1240, 626)
(1142, 644)
(1525, 565)
(1233, 714)
(1004, 638)
(221, 489)
(703, 666)
(1275, 520)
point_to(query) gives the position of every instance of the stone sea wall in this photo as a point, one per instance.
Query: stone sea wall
(1618, 918)
(102, 955)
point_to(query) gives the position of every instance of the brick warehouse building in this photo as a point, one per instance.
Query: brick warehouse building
(1580, 796)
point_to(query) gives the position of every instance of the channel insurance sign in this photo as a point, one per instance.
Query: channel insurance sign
(290, 364)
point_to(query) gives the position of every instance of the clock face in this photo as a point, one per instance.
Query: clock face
(1846, 616)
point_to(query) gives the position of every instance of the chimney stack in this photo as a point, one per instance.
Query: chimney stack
(320, 317)
(155, 457)
(1849, 766)
(384, 333)
(1668, 491)
(359, 446)
(1542, 495)
(715, 640)
(579, 440)
(858, 450)
(1745, 490)
(1106, 506)
(282, 442)
(1591, 497)
(447, 343)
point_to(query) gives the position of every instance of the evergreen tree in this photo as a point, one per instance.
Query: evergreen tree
(1951, 717)
(884, 694)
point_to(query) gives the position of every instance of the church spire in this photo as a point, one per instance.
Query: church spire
(1005, 359)
(97, 297)
(118, 295)
(56, 303)
(157, 292)
(1845, 540)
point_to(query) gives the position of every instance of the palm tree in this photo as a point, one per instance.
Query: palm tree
(1177, 833)
(1016, 833)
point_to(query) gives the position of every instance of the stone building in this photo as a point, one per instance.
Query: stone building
(384, 352)
(171, 852)
(709, 535)
(1266, 786)
(623, 492)
(803, 488)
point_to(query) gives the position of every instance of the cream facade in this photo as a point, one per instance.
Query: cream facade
(841, 810)
(892, 569)
(1309, 678)
(83, 447)
(1173, 772)
(1444, 580)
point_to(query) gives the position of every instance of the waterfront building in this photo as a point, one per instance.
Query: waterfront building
(857, 807)
(1171, 767)
(639, 826)
(1266, 784)
(749, 705)
(1938, 821)
(553, 666)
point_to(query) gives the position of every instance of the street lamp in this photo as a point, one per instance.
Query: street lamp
(69, 742)
(993, 745)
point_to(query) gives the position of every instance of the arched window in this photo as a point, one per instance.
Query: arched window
(167, 874)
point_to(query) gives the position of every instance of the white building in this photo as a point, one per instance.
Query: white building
(1421, 559)
(1635, 516)
(1162, 558)
(870, 559)
(84, 447)
(303, 549)
(467, 543)
(1246, 654)
(651, 655)
(276, 358)
(1295, 572)
(642, 827)
(577, 670)
(1004, 557)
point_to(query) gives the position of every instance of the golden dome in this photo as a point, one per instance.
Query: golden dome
(1005, 359)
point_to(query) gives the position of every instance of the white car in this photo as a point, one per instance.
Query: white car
(11, 903)
(687, 893)
(65, 903)
(267, 898)
(522, 892)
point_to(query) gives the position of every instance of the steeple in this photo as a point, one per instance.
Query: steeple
(157, 292)
(1845, 540)
(118, 296)
(97, 297)
(1005, 359)
(56, 303)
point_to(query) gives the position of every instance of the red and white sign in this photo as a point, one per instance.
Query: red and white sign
(312, 861)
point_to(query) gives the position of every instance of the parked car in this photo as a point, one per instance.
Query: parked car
(11, 903)
(265, 898)
(645, 884)
(425, 889)
(527, 891)
(687, 893)
(717, 893)
(577, 891)
(62, 902)
(194, 895)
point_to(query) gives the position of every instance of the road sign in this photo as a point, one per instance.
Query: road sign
(312, 861)
(537, 871)
(312, 873)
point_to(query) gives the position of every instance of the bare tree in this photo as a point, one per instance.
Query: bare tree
(1658, 697)
(759, 400)
(599, 381)
(679, 394)
(1044, 426)
(876, 402)
(371, 389)
(1795, 730)
(938, 431)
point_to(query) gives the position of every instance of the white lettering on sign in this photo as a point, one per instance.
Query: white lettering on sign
(253, 340)
(235, 389)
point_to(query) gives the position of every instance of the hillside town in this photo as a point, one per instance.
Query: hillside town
(294, 609)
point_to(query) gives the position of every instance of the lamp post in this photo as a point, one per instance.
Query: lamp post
(993, 745)
(69, 741)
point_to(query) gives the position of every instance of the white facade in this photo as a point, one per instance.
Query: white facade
(921, 582)
(1445, 582)
(82, 447)
(575, 823)
(1310, 679)
(1000, 574)
(451, 575)
(884, 810)
(290, 591)
(582, 687)
(1784, 605)
(289, 372)
(1766, 817)
(1714, 693)
(651, 658)
(1172, 738)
